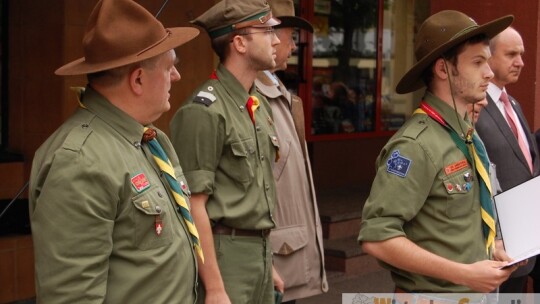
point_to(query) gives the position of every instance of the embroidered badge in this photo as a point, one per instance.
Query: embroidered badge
(140, 182)
(205, 98)
(455, 167)
(397, 164)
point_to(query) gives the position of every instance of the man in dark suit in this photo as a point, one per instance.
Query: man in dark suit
(505, 131)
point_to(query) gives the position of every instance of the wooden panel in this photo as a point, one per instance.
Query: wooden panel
(196, 57)
(12, 177)
(24, 276)
(7, 270)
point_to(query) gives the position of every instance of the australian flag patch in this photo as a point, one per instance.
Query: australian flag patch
(397, 164)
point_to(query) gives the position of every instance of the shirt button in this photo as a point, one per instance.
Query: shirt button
(158, 209)
(267, 187)
(262, 158)
(159, 194)
(258, 128)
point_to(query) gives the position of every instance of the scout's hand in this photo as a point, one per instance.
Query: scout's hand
(485, 276)
(500, 254)
(279, 285)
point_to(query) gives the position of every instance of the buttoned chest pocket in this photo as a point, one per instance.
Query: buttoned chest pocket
(239, 164)
(152, 218)
(460, 191)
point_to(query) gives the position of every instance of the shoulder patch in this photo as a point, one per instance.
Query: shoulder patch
(414, 129)
(206, 98)
(397, 164)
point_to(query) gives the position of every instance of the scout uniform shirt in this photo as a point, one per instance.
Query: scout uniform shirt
(225, 155)
(423, 191)
(104, 225)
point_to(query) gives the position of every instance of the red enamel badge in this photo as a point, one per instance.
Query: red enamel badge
(140, 182)
(159, 225)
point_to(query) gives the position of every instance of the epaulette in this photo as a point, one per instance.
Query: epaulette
(206, 98)
(414, 129)
(76, 137)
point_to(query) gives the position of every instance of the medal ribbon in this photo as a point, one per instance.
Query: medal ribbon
(480, 162)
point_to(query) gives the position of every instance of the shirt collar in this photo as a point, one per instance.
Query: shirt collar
(447, 113)
(495, 92)
(267, 84)
(233, 87)
(120, 121)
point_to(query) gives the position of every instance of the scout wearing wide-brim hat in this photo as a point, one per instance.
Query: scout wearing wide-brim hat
(121, 32)
(438, 34)
(229, 15)
(284, 11)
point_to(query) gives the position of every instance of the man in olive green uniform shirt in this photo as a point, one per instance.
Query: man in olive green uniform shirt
(227, 147)
(424, 218)
(105, 226)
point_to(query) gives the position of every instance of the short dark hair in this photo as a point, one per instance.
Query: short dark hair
(452, 55)
(221, 44)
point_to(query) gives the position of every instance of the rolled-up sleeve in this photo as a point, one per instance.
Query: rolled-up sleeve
(197, 137)
(397, 193)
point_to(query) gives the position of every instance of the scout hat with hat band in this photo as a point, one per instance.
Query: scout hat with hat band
(229, 15)
(438, 34)
(121, 32)
(284, 11)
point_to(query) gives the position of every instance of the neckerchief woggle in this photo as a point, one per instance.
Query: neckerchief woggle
(480, 162)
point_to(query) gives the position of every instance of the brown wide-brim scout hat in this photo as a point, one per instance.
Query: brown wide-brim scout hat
(229, 15)
(438, 34)
(284, 11)
(121, 32)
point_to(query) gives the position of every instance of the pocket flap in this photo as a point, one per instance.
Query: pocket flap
(146, 206)
(238, 149)
(287, 240)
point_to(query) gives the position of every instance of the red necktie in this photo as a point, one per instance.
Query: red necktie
(512, 122)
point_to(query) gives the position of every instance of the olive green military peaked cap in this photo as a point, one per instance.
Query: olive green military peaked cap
(438, 34)
(229, 15)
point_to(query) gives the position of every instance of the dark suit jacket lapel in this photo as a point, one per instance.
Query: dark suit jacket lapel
(503, 126)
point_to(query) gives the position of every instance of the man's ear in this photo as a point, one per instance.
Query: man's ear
(440, 68)
(239, 44)
(135, 81)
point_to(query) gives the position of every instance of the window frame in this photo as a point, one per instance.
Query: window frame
(305, 87)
